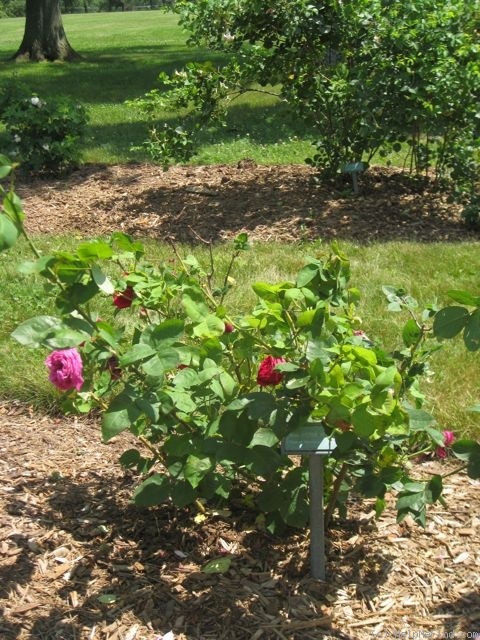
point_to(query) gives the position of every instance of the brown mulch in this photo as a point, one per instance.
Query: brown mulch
(269, 202)
(70, 535)
(79, 562)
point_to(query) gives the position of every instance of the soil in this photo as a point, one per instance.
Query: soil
(79, 562)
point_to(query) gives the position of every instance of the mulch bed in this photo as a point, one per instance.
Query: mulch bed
(70, 538)
(281, 202)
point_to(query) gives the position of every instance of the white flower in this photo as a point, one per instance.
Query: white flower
(35, 100)
(17, 138)
(228, 36)
(46, 147)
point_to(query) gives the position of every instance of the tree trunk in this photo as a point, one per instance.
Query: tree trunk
(44, 37)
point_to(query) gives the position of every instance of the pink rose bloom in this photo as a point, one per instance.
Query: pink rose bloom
(448, 438)
(65, 366)
(266, 372)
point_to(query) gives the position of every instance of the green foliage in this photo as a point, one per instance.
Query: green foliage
(210, 393)
(366, 77)
(45, 135)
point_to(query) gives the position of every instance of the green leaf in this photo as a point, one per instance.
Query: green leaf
(464, 449)
(306, 275)
(107, 598)
(182, 401)
(448, 322)
(8, 233)
(210, 327)
(64, 338)
(5, 166)
(217, 565)
(463, 297)
(12, 205)
(363, 421)
(195, 306)
(371, 486)
(435, 488)
(261, 406)
(138, 352)
(182, 493)
(94, 250)
(121, 414)
(265, 437)
(295, 510)
(130, 458)
(76, 295)
(34, 331)
(411, 501)
(364, 355)
(473, 469)
(163, 334)
(387, 378)
(154, 490)
(126, 243)
(419, 420)
(262, 460)
(102, 281)
(411, 333)
(196, 468)
(181, 444)
(266, 291)
(471, 335)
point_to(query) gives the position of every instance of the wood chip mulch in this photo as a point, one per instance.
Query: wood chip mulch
(282, 202)
(79, 562)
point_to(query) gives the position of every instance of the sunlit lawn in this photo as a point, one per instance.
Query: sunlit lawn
(123, 55)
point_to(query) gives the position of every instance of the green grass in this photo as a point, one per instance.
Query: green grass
(123, 55)
(426, 271)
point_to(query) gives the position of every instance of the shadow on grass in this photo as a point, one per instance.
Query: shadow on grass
(106, 75)
(148, 562)
(259, 125)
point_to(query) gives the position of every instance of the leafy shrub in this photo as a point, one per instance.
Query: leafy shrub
(367, 77)
(210, 393)
(45, 135)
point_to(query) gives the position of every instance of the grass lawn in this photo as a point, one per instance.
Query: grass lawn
(123, 55)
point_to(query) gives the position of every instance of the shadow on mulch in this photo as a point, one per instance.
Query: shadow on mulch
(150, 561)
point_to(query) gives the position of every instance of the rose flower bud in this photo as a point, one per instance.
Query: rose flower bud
(65, 366)
(124, 299)
(229, 328)
(266, 372)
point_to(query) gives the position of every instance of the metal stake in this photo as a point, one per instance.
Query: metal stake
(317, 525)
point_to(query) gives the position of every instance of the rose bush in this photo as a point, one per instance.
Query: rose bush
(210, 393)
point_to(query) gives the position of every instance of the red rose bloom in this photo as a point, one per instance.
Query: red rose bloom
(229, 328)
(113, 368)
(266, 372)
(124, 299)
(441, 452)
